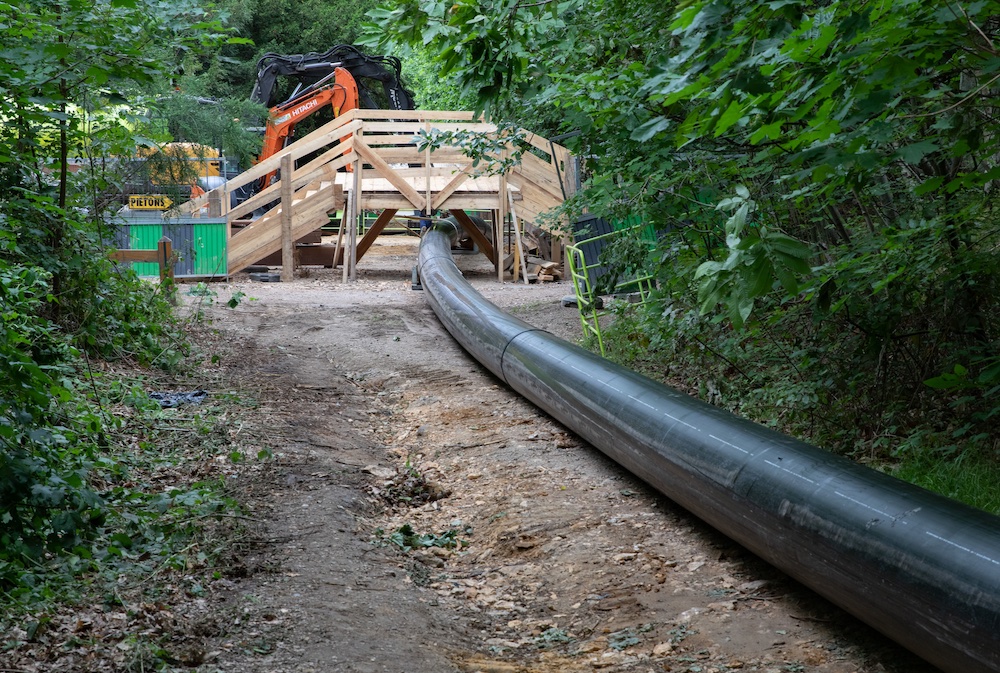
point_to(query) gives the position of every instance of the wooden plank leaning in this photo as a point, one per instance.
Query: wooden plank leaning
(287, 243)
(477, 236)
(517, 240)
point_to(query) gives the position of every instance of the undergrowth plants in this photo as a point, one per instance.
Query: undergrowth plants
(822, 181)
(869, 369)
(101, 490)
(160, 524)
(97, 497)
(407, 539)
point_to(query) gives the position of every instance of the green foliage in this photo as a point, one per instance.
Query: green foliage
(488, 45)
(44, 459)
(52, 439)
(408, 539)
(100, 310)
(626, 638)
(756, 256)
(236, 299)
(822, 178)
(489, 151)
(552, 637)
(219, 123)
(431, 89)
(86, 498)
(56, 54)
(70, 502)
(969, 477)
(271, 26)
(835, 94)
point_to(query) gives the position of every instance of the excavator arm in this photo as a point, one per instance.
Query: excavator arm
(338, 90)
(308, 69)
(333, 78)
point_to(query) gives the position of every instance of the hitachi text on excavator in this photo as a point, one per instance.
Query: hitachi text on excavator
(335, 79)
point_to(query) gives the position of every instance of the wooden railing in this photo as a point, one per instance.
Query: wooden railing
(162, 255)
(386, 171)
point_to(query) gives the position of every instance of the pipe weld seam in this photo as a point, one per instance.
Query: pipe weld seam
(509, 342)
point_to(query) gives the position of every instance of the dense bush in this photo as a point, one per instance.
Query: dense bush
(63, 305)
(823, 179)
(52, 437)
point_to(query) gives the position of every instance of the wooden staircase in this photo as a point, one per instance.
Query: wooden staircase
(263, 236)
(389, 173)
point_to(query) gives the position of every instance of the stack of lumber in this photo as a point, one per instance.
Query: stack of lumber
(540, 270)
(543, 270)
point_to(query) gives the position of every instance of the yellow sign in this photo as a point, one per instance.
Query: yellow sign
(149, 202)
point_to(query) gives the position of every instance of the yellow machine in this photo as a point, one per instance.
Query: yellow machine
(182, 164)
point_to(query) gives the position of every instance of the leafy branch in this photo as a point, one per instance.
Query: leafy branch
(492, 152)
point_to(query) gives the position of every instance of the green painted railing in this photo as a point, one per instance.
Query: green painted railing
(589, 304)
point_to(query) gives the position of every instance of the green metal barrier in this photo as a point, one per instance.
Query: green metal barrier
(199, 242)
(582, 271)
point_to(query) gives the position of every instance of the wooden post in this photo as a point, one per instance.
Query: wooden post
(354, 209)
(338, 257)
(165, 258)
(215, 203)
(355, 216)
(228, 215)
(345, 224)
(428, 206)
(570, 176)
(287, 244)
(502, 213)
(517, 241)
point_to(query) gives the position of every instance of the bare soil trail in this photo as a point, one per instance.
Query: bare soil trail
(386, 433)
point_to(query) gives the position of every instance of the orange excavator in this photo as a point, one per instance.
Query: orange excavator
(336, 80)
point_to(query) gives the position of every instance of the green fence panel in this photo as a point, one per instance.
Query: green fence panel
(145, 236)
(209, 248)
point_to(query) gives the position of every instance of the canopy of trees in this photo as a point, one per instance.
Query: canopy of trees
(823, 177)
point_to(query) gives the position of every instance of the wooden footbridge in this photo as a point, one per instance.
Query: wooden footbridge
(369, 160)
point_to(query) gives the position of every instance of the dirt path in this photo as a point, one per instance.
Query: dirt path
(382, 426)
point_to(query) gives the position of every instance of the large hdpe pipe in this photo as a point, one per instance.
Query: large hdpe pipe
(922, 569)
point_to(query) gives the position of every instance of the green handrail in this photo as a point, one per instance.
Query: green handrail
(588, 304)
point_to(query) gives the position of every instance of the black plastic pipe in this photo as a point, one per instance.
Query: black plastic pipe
(922, 569)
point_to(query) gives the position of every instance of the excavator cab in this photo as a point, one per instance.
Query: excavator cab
(333, 81)
(306, 70)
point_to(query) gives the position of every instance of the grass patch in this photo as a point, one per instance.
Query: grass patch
(966, 477)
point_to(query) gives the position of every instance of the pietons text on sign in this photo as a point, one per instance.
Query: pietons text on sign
(149, 202)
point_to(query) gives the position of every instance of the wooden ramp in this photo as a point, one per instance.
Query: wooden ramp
(369, 160)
